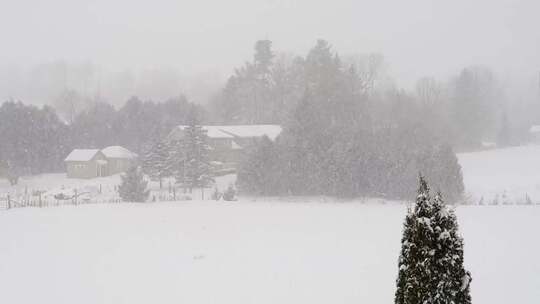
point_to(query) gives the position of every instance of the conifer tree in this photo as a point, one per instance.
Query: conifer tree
(256, 172)
(194, 155)
(176, 162)
(431, 260)
(404, 259)
(198, 173)
(453, 280)
(156, 161)
(133, 187)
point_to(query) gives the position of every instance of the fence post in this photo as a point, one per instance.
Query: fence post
(8, 202)
(75, 198)
(40, 203)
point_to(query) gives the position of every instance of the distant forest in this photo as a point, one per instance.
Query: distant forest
(348, 130)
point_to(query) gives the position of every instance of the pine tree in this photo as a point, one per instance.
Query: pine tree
(198, 172)
(431, 260)
(191, 157)
(156, 161)
(133, 187)
(176, 162)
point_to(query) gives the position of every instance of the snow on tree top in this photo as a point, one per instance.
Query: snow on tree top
(81, 154)
(118, 152)
(241, 131)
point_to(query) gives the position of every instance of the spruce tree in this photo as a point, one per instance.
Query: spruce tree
(192, 157)
(431, 260)
(156, 161)
(176, 162)
(198, 172)
(133, 187)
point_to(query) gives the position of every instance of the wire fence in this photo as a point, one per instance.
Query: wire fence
(7, 202)
(37, 200)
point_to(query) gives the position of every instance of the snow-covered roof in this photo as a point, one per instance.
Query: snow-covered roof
(247, 131)
(534, 129)
(118, 152)
(81, 154)
(241, 131)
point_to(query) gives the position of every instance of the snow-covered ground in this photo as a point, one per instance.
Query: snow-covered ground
(239, 252)
(97, 190)
(504, 175)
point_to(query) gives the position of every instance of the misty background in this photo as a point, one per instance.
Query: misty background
(112, 50)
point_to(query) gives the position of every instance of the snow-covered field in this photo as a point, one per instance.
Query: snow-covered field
(503, 175)
(217, 252)
(261, 252)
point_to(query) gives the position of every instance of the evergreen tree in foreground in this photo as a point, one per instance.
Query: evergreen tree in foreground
(431, 261)
(133, 186)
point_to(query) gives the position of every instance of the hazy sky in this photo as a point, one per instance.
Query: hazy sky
(417, 37)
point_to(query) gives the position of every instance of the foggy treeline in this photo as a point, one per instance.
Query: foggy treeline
(469, 108)
(348, 129)
(341, 136)
(36, 140)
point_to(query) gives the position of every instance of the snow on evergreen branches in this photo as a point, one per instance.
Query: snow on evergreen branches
(431, 261)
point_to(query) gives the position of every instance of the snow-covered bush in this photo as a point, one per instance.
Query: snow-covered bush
(229, 194)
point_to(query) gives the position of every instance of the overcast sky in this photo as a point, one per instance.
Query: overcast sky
(417, 37)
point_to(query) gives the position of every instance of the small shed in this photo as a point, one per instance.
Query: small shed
(119, 159)
(86, 163)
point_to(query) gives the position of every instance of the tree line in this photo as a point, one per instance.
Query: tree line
(35, 140)
(341, 138)
(468, 109)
